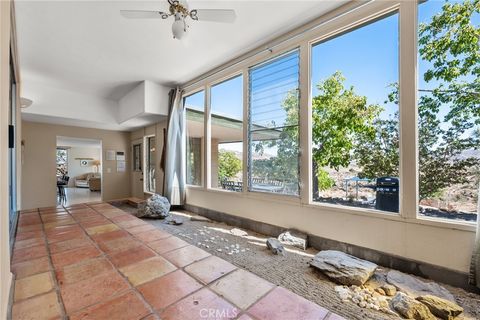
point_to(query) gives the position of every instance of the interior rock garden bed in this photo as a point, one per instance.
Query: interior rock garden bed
(387, 294)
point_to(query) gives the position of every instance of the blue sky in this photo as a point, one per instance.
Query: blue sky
(367, 57)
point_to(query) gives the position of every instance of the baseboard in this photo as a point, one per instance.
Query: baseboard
(418, 268)
(13, 231)
(8, 303)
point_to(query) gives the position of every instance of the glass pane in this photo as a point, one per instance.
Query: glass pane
(355, 136)
(137, 157)
(227, 134)
(448, 110)
(62, 162)
(150, 174)
(273, 125)
(195, 111)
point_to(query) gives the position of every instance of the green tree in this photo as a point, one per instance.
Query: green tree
(449, 43)
(228, 165)
(379, 156)
(339, 118)
(284, 166)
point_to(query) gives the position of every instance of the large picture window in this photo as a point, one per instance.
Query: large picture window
(226, 114)
(355, 117)
(195, 114)
(448, 110)
(273, 125)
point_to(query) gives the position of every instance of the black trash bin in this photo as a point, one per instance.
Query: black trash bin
(387, 194)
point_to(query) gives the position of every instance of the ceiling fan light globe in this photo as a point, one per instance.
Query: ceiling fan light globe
(178, 29)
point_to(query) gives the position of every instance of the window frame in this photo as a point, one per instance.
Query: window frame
(341, 20)
(204, 167)
(208, 144)
(340, 32)
(247, 123)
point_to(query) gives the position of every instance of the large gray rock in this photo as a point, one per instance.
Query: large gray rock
(442, 308)
(156, 207)
(275, 246)
(294, 238)
(343, 268)
(410, 308)
(416, 287)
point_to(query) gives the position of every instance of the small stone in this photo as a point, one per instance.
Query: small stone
(219, 250)
(442, 308)
(294, 238)
(362, 304)
(238, 232)
(389, 290)
(275, 246)
(381, 291)
(174, 221)
(411, 308)
(200, 219)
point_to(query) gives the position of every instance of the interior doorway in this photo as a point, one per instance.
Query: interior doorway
(79, 170)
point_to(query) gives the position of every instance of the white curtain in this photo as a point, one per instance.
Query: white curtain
(175, 150)
(475, 265)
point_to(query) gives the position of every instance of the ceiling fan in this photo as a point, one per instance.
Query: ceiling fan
(179, 10)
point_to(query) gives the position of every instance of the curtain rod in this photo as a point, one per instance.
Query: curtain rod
(278, 43)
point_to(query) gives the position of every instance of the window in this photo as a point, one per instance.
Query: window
(62, 162)
(448, 110)
(355, 126)
(273, 125)
(150, 165)
(137, 157)
(195, 114)
(227, 134)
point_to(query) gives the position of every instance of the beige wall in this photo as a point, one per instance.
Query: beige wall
(442, 246)
(39, 179)
(157, 131)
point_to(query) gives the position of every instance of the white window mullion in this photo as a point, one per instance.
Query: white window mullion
(207, 177)
(305, 127)
(408, 110)
(246, 150)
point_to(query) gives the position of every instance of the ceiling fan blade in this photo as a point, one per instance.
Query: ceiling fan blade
(216, 15)
(143, 14)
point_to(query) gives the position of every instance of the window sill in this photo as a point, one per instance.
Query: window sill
(369, 213)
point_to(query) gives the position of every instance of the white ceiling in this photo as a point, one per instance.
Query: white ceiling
(87, 48)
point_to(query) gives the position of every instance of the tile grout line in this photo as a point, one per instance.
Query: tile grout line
(55, 281)
(203, 286)
(137, 292)
(103, 254)
(209, 285)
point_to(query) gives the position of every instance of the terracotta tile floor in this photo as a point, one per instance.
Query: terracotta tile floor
(94, 261)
